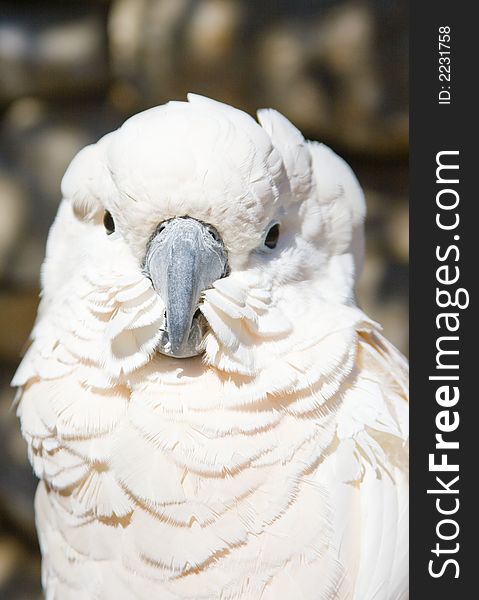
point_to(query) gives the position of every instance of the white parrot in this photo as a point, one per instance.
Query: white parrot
(209, 413)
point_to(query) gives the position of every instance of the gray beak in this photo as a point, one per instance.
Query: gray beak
(184, 258)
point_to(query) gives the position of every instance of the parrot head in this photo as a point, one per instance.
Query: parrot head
(242, 227)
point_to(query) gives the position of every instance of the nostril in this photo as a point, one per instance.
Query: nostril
(213, 234)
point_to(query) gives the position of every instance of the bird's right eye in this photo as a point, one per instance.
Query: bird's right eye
(108, 222)
(272, 237)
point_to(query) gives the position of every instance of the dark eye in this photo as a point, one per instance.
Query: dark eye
(272, 237)
(109, 223)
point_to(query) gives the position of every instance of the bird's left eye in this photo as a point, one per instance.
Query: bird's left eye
(108, 222)
(272, 236)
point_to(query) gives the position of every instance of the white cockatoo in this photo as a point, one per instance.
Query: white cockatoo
(209, 413)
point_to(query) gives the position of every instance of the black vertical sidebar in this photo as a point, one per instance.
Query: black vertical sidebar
(435, 128)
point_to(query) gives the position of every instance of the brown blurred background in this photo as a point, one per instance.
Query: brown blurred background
(72, 70)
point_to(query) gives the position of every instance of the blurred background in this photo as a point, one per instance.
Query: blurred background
(71, 71)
